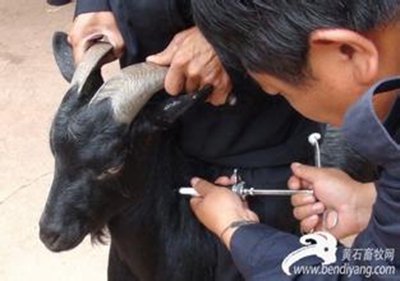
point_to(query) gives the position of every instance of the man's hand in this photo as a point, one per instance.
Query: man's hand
(193, 64)
(218, 207)
(333, 189)
(90, 27)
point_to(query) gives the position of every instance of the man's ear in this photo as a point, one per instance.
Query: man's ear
(351, 48)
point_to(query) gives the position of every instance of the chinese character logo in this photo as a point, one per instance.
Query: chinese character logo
(320, 244)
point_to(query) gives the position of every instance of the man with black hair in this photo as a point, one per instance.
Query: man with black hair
(337, 62)
(218, 136)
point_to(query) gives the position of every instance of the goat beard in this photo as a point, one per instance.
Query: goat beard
(100, 236)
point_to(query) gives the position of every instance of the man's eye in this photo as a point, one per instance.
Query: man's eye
(111, 172)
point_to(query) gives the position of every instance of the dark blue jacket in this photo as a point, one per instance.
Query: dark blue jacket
(258, 250)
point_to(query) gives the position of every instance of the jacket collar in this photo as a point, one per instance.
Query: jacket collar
(368, 135)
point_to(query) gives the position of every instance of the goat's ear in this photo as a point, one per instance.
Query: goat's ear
(175, 107)
(63, 54)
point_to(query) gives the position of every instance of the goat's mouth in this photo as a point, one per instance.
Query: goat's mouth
(61, 241)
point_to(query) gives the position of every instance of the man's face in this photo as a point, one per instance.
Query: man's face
(324, 99)
(343, 65)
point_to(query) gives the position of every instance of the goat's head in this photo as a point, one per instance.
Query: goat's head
(91, 138)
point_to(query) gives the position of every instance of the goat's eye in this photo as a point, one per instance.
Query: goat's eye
(111, 172)
(115, 170)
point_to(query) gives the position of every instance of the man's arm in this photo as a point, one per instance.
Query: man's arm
(259, 251)
(88, 6)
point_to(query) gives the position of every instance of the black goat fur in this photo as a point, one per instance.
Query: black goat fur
(173, 245)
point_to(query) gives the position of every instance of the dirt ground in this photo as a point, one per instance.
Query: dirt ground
(31, 90)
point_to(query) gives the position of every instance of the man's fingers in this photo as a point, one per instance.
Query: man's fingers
(192, 84)
(77, 47)
(165, 57)
(79, 51)
(91, 27)
(303, 212)
(222, 87)
(294, 183)
(252, 216)
(118, 43)
(203, 187)
(310, 223)
(220, 95)
(307, 173)
(168, 55)
(80, 47)
(195, 202)
(174, 81)
(82, 42)
(224, 181)
(301, 200)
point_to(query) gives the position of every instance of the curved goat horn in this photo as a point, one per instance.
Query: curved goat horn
(131, 89)
(89, 64)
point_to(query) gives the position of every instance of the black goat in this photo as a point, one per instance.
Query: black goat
(107, 152)
(104, 164)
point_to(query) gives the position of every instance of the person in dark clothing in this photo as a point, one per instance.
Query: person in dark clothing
(218, 136)
(58, 2)
(333, 61)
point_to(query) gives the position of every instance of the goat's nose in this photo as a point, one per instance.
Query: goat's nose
(48, 235)
(48, 232)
